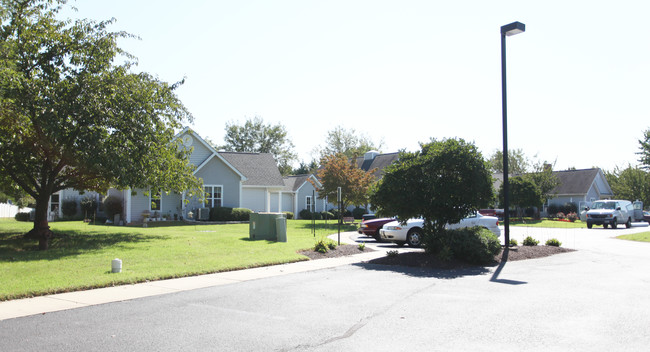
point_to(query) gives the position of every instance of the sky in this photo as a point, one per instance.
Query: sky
(403, 72)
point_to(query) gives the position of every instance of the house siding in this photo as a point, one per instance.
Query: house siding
(139, 203)
(216, 172)
(255, 199)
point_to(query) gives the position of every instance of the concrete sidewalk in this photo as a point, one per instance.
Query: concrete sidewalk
(78, 299)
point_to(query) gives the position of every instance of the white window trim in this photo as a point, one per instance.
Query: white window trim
(221, 199)
(308, 202)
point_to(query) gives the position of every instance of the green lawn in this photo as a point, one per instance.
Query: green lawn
(547, 223)
(80, 256)
(641, 237)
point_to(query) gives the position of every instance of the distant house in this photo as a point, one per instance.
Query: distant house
(299, 192)
(374, 160)
(230, 179)
(581, 187)
(575, 186)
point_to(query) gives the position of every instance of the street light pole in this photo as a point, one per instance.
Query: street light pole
(507, 30)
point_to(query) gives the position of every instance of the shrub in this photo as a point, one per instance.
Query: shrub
(392, 253)
(112, 206)
(553, 242)
(69, 207)
(327, 215)
(88, 206)
(529, 241)
(513, 243)
(560, 215)
(219, 214)
(331, 244)
(241, 214)
(305, 214)
(288, 214)
(552, 210)
(362, 247)
(321, 246)
(474, 245)
(530, 212)
(569, 207)
(358, 212)
(24, 216)
(572, 217)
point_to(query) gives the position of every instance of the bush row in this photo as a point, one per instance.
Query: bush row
(357, 213)
(230, 214)
(553, 209)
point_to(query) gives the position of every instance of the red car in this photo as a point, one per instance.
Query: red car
(371, 228)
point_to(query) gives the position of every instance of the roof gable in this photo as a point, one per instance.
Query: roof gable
(379, 162)
(575, 181)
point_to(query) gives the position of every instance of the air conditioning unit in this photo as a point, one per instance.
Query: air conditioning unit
(204, 214)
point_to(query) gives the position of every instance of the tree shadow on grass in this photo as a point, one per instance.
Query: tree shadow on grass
(14, 247)
(329, 226)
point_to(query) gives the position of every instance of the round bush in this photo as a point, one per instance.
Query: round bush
(69, 208)
(475, 245)
(241, 214)
(22, 216)
(529, 241)
(569, 207)
(288, 214)
(553, 242)
(305, 214)
(552, 210)
(220, 214)
(112, 205)
(358, 212)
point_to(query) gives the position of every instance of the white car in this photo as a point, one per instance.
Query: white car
(411, 232)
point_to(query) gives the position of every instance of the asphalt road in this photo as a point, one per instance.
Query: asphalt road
(594, 299)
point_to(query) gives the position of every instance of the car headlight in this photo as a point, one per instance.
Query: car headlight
(393, 228)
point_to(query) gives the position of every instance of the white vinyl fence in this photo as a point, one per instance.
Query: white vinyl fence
(9, 210)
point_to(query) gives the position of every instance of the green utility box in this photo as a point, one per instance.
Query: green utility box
(268, 226)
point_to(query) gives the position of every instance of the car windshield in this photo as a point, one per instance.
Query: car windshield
(604, 205)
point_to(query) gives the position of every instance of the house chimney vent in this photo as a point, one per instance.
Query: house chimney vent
(370, 155)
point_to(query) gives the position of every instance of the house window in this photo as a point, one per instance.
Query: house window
(213, 196)
(155, 200)
(54, 202)
(308, 203)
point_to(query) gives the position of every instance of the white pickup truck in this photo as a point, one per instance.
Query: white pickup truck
(610, 213)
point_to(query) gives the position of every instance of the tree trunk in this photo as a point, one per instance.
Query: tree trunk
(41, 230)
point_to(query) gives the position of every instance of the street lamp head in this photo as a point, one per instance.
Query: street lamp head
(513, 28)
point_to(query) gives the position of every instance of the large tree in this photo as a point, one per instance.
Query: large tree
(442, 183)
(348, 142)
(644, 145)
(518, 163)
(524, 193)
(339, 171)
(71, 117)
(258, 137)
(631, 183)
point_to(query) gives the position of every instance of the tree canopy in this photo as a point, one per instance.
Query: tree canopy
(339, 171)
(644, 145)
(631, 183)
(524, 193)
(442, 183)
(71, 117)
(347, 142)
(518, 163)
(258, 137)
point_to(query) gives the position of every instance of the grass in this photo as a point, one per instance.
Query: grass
(80, 255)
(547, 223)
(640, 237)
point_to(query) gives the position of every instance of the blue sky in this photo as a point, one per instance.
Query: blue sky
(406, 71)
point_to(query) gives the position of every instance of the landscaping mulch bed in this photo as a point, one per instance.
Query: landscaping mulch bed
(340, 251)
(422, 259)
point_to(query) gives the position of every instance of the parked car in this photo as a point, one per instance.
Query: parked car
(368, 217)
(610, 213)
(646, 216)
(371, 227)
(411, 232)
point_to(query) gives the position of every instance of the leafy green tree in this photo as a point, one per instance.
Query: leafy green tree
(305, 168)
(524, 193)
(339, 171)
(518, 163)
(255, 136)
(71, 117)
(347, 142)
(645, 149)
(542, 176)
(442, 183)
(631, 183)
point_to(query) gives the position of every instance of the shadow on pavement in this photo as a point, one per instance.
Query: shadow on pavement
(495, 276)
(426, 272)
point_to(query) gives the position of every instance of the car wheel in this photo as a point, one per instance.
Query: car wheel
(628, 224)
(414, 238)
(614, 223)
(605, 226)
(589, 225)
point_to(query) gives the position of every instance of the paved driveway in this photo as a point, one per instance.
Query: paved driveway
(594, 299)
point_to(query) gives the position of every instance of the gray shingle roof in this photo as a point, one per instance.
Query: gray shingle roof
(575, 181)
(260, 169)
(380, 162)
